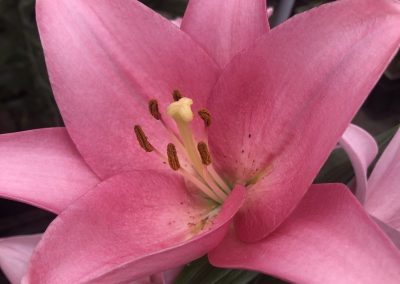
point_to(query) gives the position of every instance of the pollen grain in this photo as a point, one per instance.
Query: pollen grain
(204, 153)
(142, 138)
(177, 95)
(173, 160)
(153, 108)
(205, 115)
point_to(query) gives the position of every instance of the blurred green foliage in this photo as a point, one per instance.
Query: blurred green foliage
(25, 96)
(169, 8)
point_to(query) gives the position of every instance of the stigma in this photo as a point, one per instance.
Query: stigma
(181, 110)
(197, 167)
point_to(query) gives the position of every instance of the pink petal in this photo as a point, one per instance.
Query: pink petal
(151, 279)
(128, 227)
(177, 21)
(223, 28)
(166, 277)
(270, 11)
(392, 233)
(147, 280)
(280, 107)
(170, 275)
(106, 59)
(362, 149)
(15, 253)
(43, 168)
(383, 195)
(328, 239)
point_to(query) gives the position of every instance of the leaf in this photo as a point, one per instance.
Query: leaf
(393, 71)
(202, 272)
(336, 169)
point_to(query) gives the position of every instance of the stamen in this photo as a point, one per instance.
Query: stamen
(219, 180)
(153, 108)
(177, 95)
(214, 187)
(204, 153)
(173, 157)
(205, 115)
(200, 185)
(142, 138)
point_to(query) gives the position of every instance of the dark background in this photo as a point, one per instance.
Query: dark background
(26, 100)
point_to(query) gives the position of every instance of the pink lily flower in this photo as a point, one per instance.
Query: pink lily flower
(279, 101)
(379, 194)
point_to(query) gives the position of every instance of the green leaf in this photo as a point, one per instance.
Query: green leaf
(336, 169)
(393, 71)
(202, 272)
(238, 277)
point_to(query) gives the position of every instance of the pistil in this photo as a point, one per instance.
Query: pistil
(182, 113)
(199, 156)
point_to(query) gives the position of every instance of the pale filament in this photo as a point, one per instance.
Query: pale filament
(190, 177)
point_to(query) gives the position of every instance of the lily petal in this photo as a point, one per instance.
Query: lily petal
(280, 107)
(383, 195)
(328, 239)
(392, 233)
(170, 275)
(15, 253)
(106, 60)
(150, 223)
(43, 168)
(362, 149)
(270, 11)
(166, 277)
(223, 28)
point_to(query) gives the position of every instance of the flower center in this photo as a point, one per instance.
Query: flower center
(199, 169)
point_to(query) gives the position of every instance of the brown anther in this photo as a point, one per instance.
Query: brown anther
(153, 108)
(142, 138)
(177, 95)
(173, 160)
(205, 115)
(204, 153)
